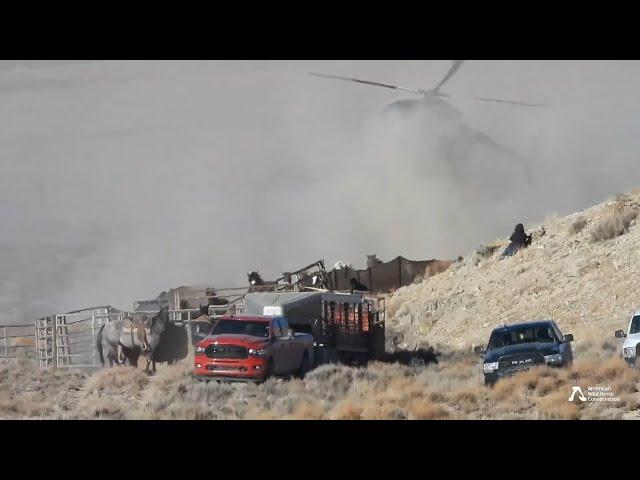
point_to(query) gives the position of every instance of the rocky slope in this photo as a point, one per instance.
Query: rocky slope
(571, 273)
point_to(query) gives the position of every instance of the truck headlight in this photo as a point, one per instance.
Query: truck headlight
(490, 367)
(553, 359)
(200, 350)
(629, 352)
(257, 352)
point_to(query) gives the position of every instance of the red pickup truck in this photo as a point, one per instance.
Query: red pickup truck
(252, 348)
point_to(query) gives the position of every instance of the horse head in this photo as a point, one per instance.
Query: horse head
(255, 278)
(156, 325)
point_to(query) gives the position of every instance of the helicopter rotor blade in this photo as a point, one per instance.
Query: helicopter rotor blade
(454, 68)
(512, 102)
(367, 82)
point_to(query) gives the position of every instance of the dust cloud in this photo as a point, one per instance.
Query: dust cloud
(123, 179)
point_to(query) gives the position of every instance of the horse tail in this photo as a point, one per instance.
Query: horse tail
(99, 344)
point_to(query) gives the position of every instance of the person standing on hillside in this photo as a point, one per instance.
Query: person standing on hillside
(519, 239)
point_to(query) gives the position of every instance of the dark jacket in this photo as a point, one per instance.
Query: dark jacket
(519, 236)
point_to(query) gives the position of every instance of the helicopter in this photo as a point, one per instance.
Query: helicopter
(459, 137)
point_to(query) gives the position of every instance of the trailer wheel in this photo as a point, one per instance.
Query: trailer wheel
(363, 359)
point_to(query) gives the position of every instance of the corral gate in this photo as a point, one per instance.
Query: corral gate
(69, 339)
(17, 341)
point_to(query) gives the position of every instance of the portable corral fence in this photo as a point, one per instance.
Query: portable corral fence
(16, 342)
(70, 339)
(382, 278)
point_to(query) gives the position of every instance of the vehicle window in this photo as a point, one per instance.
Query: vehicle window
(277, 331)
(557, 331)
(521, 335)
(237, 327)
(284, 325)
(635, 325)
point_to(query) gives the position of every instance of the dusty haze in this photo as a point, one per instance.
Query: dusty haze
(123, 179)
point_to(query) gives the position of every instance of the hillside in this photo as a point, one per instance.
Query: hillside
(579, 270)
(571, 273)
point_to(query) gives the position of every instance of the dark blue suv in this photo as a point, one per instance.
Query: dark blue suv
(520, 346)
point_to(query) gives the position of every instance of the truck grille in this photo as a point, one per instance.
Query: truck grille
(521, 361)
(226, 351)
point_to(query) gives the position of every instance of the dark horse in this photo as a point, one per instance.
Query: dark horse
(257, 284)
(153, 331)
(174, 344)
(357, 286)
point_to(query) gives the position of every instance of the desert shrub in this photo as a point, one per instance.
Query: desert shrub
(466, 399)
(556, 407)
(330, 382)
(112, 381)
(347, 409)
(613, 225)
(485, 251)
(436, 267)
(577, 226)
(423, 409)
(438, 397)
(307, 411)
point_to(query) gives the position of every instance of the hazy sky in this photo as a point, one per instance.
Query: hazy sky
(123, 179)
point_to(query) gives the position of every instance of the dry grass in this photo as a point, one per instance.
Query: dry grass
(117, 381)
(436, 267)
(577, 226)
(556, 407)
(423, 409)
(450, 389)
(612, 225)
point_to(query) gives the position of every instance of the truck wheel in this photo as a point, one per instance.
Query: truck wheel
(304, 365)
(270, 369)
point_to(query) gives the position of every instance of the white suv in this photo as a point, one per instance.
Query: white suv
(632, 339)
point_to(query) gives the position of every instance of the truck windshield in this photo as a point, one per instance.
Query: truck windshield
(521, 335)
(238, 327)
(635, 325)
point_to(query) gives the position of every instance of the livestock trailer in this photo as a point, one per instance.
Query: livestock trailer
(345, 327)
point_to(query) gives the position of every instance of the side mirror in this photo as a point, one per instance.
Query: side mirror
(620, 334)
(568, 338)
(479, 350)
